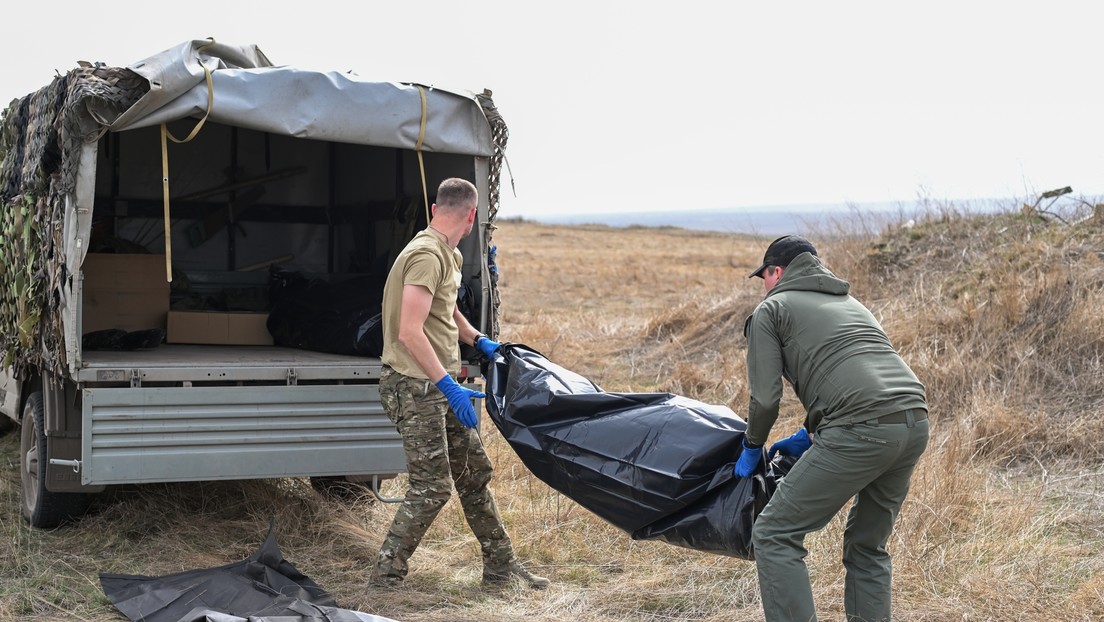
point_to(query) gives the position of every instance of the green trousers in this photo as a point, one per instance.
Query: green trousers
(869, 462)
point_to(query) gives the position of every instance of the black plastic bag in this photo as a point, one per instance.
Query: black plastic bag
(313, 314)
(118, 339)
(720, 522)
(263, 588)
(655, 465)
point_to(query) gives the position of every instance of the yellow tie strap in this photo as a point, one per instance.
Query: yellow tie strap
(166, 135)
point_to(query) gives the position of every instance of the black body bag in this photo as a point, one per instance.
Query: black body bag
(655, 465)
(313, 314)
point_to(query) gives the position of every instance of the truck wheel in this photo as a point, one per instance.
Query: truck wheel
(42, 508)
(340, 489)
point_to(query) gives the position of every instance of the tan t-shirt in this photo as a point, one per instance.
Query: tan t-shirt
(429, 262)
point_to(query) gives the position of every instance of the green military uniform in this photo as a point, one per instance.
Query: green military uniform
(439, 450)
(869, 415)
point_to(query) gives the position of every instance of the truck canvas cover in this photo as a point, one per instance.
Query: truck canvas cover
(48, 140)
(249, 91)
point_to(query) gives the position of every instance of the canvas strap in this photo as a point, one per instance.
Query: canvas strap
(418, 148)
(166, 136)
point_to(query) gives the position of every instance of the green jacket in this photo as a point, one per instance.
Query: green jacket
(810, 331)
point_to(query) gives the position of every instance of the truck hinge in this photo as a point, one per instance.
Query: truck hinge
(135, 378)
(292, 378)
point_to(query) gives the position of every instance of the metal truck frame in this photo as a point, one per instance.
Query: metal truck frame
(214, 160)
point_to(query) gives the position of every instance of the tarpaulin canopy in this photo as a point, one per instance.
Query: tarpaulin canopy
(263, 588)
(656, 465)
(248, 91)
(59, 168)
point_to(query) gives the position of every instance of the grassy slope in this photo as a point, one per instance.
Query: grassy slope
(999, 316)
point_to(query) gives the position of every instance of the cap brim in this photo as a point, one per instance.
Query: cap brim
(758, 271)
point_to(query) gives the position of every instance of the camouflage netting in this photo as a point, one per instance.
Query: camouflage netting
(499, 133)
(40, 139)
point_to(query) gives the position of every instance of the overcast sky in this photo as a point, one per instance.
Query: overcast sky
(616, 106)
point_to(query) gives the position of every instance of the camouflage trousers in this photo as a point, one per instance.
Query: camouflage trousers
(440, 452)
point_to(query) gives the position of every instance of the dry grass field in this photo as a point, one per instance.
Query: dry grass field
(999, 316)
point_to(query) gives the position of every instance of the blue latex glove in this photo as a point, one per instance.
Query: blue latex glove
(750, 458)
(794, 446)
(486, 346)
(459, 399)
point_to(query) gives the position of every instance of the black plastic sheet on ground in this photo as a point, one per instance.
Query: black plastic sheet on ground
(655, 465)
(263, 588)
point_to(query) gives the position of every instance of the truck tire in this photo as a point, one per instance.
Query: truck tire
(40, 507)
(338, 488)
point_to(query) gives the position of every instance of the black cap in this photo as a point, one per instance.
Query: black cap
(782, 251)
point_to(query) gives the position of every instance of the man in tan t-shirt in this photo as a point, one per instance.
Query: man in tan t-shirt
(422, 331)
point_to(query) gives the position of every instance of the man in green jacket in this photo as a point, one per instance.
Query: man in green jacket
(865, 429)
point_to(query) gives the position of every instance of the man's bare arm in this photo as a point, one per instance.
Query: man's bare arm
(416, 302)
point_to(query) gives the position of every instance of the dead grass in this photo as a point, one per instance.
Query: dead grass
(998, 315)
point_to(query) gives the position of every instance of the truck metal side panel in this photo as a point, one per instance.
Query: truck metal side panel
(135, 435)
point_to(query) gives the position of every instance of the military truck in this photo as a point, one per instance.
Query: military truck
(193, 249)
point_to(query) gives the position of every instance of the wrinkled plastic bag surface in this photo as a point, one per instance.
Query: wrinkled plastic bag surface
(313, 314)
(655, 465)
(263, 588)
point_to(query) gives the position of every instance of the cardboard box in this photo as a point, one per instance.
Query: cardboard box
(210, 327)
(124, 291)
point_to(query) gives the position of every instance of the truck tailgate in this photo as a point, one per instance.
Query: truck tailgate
(162, 434)
(193, 413)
